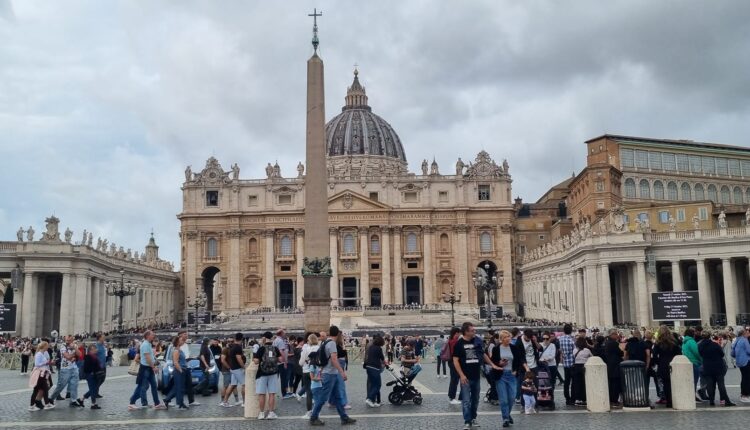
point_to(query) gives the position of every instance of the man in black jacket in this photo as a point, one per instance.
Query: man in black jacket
(528, 348)
(613, 357)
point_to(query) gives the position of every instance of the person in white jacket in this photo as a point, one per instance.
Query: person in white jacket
(549, 352)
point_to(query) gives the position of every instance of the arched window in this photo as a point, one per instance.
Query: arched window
(252, 246)
(212, 248)
(375, 245)
(725, 195)
(349, 244)
(411, 243)
(645, 189)
(672, 191)
(699, 194)
(737, 195)
(285, 245)
(630, 188)
(712, 195)
(485, 242)
(658, 190)
(685, 193)
(445, 245)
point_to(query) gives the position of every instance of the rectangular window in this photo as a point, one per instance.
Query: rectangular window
(641, 159)
(683, 165)
(668, 162)
(600, 186)
(412, 265)
(746, 168)
(626, 218)
(443, 196)
(734, 167)
(285, 268)
(695, 164)
(212, 198)
(410, 196)
(375, 266)
(522, 238)
(252, 200)
(627, 158)
(522, 249)
(664, 217)
(541, 237)
(703, 214)
(680, 215)
(708, 165)
(484, 192)
(374, 195)
(285, 199)
(722, 167)
(654, 160)
(643, 216)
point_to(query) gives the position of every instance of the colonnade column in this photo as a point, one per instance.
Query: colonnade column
(364, 266)
(427, 260)
(29, 295)
(94, 322)
(641, 294)
(300, 251)
(580, 298)
(398, 282)
(333, 234)
(232, 292)
(730, 291)
(592, 295)
(385, 252)
(703, 292)
(269, 286)
(605, 297)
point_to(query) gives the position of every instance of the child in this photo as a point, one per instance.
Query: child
(529, 389)
(410, 361)
(316, 388)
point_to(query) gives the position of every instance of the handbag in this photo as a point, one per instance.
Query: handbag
(133, 368)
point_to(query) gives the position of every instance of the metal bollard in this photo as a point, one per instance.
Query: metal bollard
(597, 385)
(251, 399)
(634, 392)
(683, 387)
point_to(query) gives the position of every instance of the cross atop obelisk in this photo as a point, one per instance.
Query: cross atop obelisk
(315, 16)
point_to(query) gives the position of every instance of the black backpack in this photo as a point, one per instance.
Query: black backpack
(319, 358)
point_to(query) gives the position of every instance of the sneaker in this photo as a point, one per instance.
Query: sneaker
(455, 402)
(467, 426)
(262, 415)
(347, 421)
(224, 404)
(474, 423)
(370, 403)
(67, 396)
(288, 396)
(317, 422)
(182, 408)
(297, 396)
(347, 406)
(160, 407)
(728, 404)
(307, 415)
(510, 420)
(134, 407)
(661, 402)
(518, 401)
(80, 402)
(99, 396)
(34, 408)
(378, 404)
(59, 397)
(194, 403)
(239, 403)
(49, 406)
(271, 415)
(95, 406)
(745, 399)
(75, 404)
(528, 412)
(303, 396)
(506, 424)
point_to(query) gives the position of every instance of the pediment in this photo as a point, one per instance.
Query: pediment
(351, 201)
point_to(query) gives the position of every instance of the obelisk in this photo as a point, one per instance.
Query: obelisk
(317, 264)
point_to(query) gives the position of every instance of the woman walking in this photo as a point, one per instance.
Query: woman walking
(341, 353)
(311, 346)
(581, 354)
(90, 368)
(374, 364)
(714, 368)
(181, 373)
(665, 350)
(506, 363)
(41, 379)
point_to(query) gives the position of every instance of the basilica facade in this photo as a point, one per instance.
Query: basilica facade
(396, 237)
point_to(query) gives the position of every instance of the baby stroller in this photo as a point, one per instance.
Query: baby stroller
(545, 393)
(403, 390)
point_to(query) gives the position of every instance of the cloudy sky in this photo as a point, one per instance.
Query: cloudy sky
(104, 103)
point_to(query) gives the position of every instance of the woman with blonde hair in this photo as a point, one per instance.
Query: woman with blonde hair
(41, 379)
(665, 349)
(311, 346)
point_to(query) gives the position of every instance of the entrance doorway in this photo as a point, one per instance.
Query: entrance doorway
(375, 297)
(286, 293)
(413, 290)
(349, 291)
(210, 277)
(491, 269)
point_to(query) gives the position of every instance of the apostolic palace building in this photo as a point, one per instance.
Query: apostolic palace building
(398, 237)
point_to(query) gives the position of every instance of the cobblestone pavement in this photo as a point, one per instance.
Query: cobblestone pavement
(433, 414)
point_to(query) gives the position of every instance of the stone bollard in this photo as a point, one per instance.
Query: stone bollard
(251, 399)
(683, 388)
(597, 385)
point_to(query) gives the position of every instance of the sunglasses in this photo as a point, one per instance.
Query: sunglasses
(545, 338)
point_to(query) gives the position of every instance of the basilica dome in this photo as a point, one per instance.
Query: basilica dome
(357, 132)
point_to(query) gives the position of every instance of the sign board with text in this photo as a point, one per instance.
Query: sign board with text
(203, 317)
(675, 306)
(7, 317)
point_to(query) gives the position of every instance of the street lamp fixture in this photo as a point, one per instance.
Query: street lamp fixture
(452, 298)
(487, 284)
(121, 289)
(198, 303)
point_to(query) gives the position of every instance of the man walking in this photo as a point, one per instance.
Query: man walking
(236, 368)
(146, 375)
(468, 356)
(266, 383)
(282, 345)
(566, 351)
(330, 380)
(68, 377)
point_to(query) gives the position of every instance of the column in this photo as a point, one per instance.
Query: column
(642, 296)
(581, 298)
(269, 290)
(730, 291)
(462, 252)
(300, 241)
(18, 300)
(364, 266)
(428, 260)
(28, 305)
(506, 265)
(191, 260)
(605, 297)
(398, 282)
(333, 235)
(89, 299)
(385, 264)
(67, 301)
(704, 294)
(592, 295)
(232, 301)
(95, 326)
(677, 284)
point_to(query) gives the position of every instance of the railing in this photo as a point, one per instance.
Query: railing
(11, 360)
(212, 259)
(736, 231)
(282, 257)
(710, 233)
(658, 237)
(412, 255)
(7, 247)
(685, 235)
(348, 256)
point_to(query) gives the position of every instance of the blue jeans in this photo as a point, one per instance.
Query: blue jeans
(178, 388)
(284, 375)
(67, 378)
(330, 390)
(506, 393)
(341, 387)
(93, 387)
(374, 380)
(149, 378)
(470, 399)
(696, 374)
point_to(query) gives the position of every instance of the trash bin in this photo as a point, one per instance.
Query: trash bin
(633, 377)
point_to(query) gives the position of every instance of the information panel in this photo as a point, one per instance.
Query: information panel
(675, 306)
(204, 317)
(7, 317)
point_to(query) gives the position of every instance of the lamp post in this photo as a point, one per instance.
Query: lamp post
(486, 283)
(121, 289)
(198, 303)
(452, 298)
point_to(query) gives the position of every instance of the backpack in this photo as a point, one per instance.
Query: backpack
(269, 363)
(445, 352)
(319, 358)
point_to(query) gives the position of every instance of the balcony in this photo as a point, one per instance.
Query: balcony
(212, 259)
(412, 255)
(348, 256)
(285, 258)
